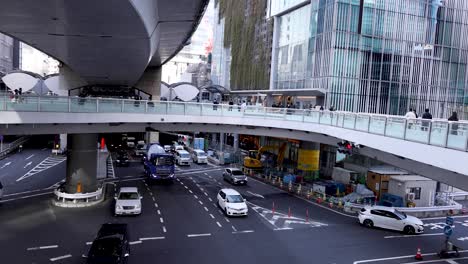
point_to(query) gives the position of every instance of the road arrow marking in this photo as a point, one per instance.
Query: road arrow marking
(256, 194)
(6, 164)
(29, 163)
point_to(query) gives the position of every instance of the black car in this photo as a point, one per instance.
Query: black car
(122, 159)
(111, 245)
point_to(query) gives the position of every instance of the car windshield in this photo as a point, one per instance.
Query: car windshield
(106, 247)
(401, 215)
(235, 199)
(163, 161)
(237, 172)
(184, 155)
(129, 196)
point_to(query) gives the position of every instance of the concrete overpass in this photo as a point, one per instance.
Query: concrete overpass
(105, 42)
(436, 149)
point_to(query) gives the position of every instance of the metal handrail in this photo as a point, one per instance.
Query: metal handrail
(453, 136)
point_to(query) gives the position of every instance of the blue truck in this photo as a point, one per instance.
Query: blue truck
(158, 164)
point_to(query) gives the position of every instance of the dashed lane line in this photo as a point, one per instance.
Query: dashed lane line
(198, 235)
(156, 205)
(243, 232)
(61, 257)
(190, 191)
(227, 220)
(233, 228)
(42, 247)
(161, 219)
(205, 193)
(200, 202)
(151, 238)
(154, 199)
(218, 224)
(206, 209)
(164, 229)
(30, 156)
(212, 216)
(210, 199)
(185, 187)
(135, 242)
(159, 212)
(196, 197)
(419, 235)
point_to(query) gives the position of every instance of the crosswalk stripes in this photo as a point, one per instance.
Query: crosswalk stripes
(47, 163)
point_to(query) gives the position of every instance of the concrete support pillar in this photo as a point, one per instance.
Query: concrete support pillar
(262, 141)
(68, 80)
(221, 141)
(63, 142)
(150, 82)
(236, 141)
(81, 163)
(274, 53)
(312, 152)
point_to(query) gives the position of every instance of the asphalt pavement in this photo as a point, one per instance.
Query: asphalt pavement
(181, 223)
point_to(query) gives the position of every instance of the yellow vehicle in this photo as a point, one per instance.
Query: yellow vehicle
(253, 160)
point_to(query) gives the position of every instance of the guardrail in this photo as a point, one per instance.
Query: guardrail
(12, 146)
(437, 132)
(64, 199)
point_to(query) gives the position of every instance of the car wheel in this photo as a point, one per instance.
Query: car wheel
(368, 223)
(409, 230)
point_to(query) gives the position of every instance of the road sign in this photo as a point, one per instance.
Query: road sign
(448, 230)
(449, 221)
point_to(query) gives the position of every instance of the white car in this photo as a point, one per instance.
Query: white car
(182, 157)
(128, 201)
(199, 156)
(232, 203)
(390, 218)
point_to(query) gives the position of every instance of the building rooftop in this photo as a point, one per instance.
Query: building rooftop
(388, 170)
(406, 178)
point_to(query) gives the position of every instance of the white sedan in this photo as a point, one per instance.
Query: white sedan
(390, 218)
(232, 203)
(128, 201)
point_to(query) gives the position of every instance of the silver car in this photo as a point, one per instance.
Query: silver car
(234, 176)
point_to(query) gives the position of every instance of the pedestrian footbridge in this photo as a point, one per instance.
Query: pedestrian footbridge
(434, 148)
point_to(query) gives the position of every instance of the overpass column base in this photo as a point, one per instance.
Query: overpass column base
(314, 159)
(81, 163)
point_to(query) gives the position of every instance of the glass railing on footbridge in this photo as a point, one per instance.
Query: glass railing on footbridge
(435, 132)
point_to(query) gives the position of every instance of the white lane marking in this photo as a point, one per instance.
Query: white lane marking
(227, 220)
(159, 212)
(243, 232)
(196, 197)
(219, 224)
(283, 228)
(156, 205)
(205, 193)
(30, 157)
(44, 149)
(61, 257)
(135, 242)
(451, 261)
(24, 197)
(256, 194)
(42, 166)
(151, 238)
(164, 229)
(42, 247)
(194, 172)
(434, 234)
(210, 199)
(161, 219)
(185, 187)
(190, 191)
(89, 243)
(205, 173)
(215, 205)
(199, 235)
(28, 164)
(233, 228)
(206, 209)
(154, 200)
(151, 193)
(212, 216)
(200, 202)
(6, 164)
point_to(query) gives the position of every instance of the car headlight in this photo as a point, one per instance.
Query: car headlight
(119, 207)
(138, 206)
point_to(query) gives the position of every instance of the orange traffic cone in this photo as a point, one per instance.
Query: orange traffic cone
(418, 255)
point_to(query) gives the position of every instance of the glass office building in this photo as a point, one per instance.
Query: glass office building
(379, 56)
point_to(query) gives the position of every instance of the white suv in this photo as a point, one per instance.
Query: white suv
(128, 201)
(182, 157)
(199, 156)
(390, 218)
(232, 203)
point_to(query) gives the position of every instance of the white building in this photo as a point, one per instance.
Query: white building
(36, 61)
(414, 188)
(221, 56)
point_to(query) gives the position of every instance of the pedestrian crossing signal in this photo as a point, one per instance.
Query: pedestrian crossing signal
(345, 147)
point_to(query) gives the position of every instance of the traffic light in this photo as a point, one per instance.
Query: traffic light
(345, 147)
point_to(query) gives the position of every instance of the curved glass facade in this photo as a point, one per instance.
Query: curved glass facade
(379, 56)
